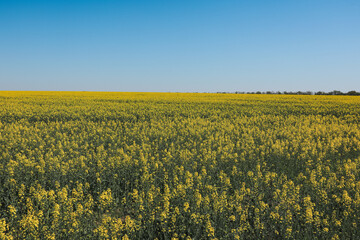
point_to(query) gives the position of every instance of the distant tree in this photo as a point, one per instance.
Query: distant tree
(336, 92)
(352, 93)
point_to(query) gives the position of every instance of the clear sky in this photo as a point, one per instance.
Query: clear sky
(180, 45)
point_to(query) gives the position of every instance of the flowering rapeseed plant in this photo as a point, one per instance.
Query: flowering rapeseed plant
(178, 166)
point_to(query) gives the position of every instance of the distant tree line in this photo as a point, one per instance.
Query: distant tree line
(335, 92)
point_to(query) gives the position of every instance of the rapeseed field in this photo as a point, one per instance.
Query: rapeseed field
(91, 165)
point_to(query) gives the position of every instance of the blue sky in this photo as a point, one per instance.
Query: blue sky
(180, 46)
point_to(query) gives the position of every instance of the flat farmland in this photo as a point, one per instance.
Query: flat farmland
(106, 165)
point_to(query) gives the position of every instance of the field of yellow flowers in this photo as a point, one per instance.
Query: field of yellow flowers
(89, 165)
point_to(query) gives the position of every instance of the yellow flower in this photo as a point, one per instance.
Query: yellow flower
(210, 229)
(29, 223)
(3, 231)
(186, 206)
(335, 237)
(12, 211)
(288, 232)
(105, 199)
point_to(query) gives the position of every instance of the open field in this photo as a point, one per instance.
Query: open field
(85, 165)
